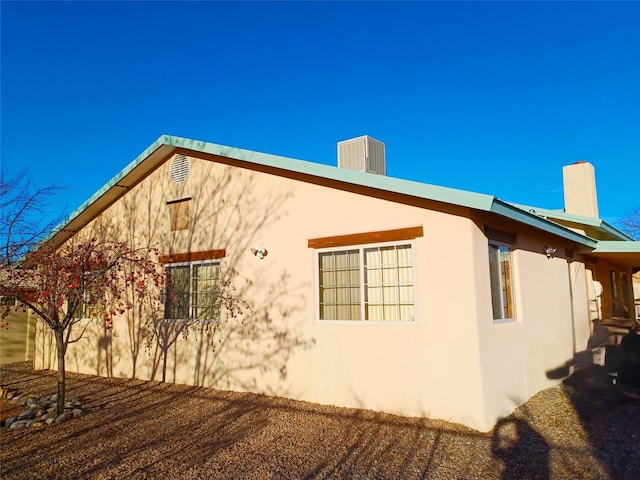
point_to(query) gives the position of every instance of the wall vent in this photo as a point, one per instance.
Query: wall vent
(179, 168)
(364, 154)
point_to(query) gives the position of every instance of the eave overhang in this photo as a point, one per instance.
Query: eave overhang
(165, 146)
(604, 230)
(627, 253)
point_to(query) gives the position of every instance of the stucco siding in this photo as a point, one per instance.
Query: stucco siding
(517, 355)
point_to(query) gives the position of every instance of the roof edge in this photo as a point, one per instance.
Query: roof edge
(521, 215)
(571, 217)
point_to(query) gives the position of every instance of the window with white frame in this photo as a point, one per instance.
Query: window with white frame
(500, 270)
(192, 291)
(370, 283)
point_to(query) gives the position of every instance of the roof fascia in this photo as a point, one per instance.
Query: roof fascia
(579, 219)
(437, 193)
(616, 246)
(521, 215)
(166, 144)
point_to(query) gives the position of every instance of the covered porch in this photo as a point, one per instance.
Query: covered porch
(614, 268)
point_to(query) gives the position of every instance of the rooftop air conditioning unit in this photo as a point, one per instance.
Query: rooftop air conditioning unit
(364, 154)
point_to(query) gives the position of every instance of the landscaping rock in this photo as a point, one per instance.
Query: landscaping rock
(41, 411)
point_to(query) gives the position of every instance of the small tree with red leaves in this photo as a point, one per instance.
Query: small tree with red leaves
(83, 277)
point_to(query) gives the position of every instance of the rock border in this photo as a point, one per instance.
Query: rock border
(40, 411)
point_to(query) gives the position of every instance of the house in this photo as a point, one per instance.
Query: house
(357, 289)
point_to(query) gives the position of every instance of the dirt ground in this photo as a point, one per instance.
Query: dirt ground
(136, 429)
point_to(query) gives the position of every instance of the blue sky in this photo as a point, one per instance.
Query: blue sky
(492, 97)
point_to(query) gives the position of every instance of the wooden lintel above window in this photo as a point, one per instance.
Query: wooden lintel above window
(368, 237)
(192, 256)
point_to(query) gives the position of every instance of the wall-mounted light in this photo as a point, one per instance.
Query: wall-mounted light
(260, 252)
(549, 251)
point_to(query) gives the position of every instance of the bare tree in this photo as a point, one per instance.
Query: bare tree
(86, 276)
(23, 215)
(631, 224)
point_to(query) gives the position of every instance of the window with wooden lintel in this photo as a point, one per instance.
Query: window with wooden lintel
(192, 285)
(367, 277)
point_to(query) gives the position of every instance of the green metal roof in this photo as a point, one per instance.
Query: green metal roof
(166, 145)
(613, 246)
(561, 215)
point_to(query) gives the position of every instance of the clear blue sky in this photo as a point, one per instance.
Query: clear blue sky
(492, 97)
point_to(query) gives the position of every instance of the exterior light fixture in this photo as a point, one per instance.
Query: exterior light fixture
(260, 252)
(549, 251)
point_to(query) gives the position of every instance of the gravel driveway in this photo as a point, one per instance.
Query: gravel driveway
(133, 429)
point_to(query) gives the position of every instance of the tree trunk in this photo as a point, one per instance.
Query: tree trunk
(60, 347)
(164, 365)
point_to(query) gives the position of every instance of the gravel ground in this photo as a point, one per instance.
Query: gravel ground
(133, 429)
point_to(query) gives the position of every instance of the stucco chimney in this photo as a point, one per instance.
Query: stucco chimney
(580, 195)
(364, 154)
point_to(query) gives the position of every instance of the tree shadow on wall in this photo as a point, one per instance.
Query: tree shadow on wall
(257, 331)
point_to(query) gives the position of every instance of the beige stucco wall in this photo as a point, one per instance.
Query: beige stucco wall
(517, 355)
(17, 339)
(453, 362)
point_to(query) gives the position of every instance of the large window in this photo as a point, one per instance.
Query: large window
(500, 270)
(374, 283)
(192, 291)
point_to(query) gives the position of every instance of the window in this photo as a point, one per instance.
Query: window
(91, 306)
(626, 293)
(373, 283)
(501, 281)
(192, 291)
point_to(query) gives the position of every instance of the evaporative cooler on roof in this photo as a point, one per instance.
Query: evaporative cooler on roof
(364, 154)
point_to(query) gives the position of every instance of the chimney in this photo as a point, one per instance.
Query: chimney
(580, 197)
(364, 154)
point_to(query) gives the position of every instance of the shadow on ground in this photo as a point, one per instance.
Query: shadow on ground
(136, 429)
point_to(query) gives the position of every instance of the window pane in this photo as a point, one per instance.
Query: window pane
(339, 285)
(405, 275)
(390, 275)
(327, 312)
(406, 312)
(406, 294)
(373, 276)
(389, 256)
(391, 312)
(501, 282)
(328, 295)
(374, 312)
(205, 295)
(390, 295)
(177, 297)
(404, 255)
(389, 282)
(327, 279)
